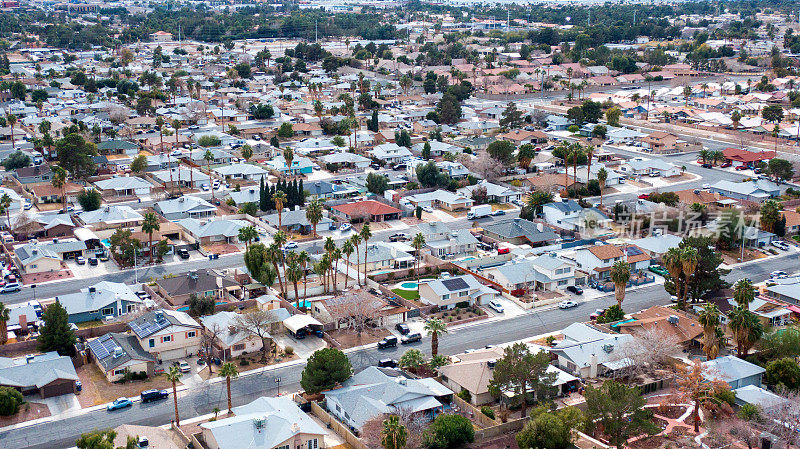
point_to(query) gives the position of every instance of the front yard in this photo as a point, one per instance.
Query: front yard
(98, 390)
(349, 339)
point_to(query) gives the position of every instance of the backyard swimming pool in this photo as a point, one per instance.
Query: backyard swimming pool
(409, 285)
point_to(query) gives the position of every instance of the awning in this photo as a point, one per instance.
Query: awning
(296, 322)
(85, 234)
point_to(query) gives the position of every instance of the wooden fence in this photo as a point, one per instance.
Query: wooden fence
(482, 420)
(337, 427)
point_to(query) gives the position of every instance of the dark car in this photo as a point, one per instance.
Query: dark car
(411, 338)
(706, 165)
(93, 261)
(183, 253)
(575, 289)
(387, 342)
(154, 395)
(387, 363)
(403, 328)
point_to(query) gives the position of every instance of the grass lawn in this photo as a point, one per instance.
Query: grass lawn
(410, 295)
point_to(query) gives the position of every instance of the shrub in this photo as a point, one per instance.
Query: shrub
(288, 350)
(486, 410)
(244, 362)
(10, 401)
(749, 412)
(465, 395)
(726, 396)
(449, 431)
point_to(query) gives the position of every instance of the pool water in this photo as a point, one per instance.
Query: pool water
(409, 285)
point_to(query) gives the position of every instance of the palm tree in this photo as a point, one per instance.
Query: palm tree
(336, 255)
(705, 155)
(435, 327)
(294, 272)
(687, 92)
(314, 213)
(288, 156)
(11, 119)
(280, 239)
(689, 261)
(620, 275)
(744, 292)
(228, 370)
(5, 205)
(704, 86)
(208, 156)
(174, 375)
(709, 319)
(746, 328)
(247, 234)
(329, 247)
(304, 259)
(347, 250)
(274, 256)
(673, 264)
(356, 239)
(280, 199)
(150, 225)
(366, 233)
(394, 434)
(59, 181)
(418, 243)
(4, 317)
(602, 176)
(589, 154)
(577, 152)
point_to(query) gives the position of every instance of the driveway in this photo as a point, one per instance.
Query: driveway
(303, 348)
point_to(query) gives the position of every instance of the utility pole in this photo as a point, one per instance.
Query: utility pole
(508, 20)
(316, 33)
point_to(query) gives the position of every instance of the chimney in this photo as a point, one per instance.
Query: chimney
(593, 366)
(540, 227)
(23, 323)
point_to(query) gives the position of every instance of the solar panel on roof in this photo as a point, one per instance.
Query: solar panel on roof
(634, 251)
(99, 348)
(455, 284)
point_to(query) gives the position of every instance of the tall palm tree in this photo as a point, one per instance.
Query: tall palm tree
(174, 375)
(336, 255)
(5, 206)
(589, 154)
(150, 225)
(394, 434)
(602, 176)
(274, 257)
(208, 156)
(329, 248)
(709, 319)
(435, 327)
(280, 239)
(620, 275)
(59, 181)
(347, 251)
(294, 273)
(356, 240)
(577, 152)
(11, 119)
(418, 243)
(366, 233)
(314, 213)
(744, 292)
(247, 234)
(746, 328)
(689, 261)
(4, 317)
(288, 156)
(228, 370)
(280, 199)
(304, 259)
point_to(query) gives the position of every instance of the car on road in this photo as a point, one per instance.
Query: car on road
(103, 257)
(345, 227)
(204, 187)
(499, 213)
(496, 306)
(11, 287)
(706, 165)
(153, 395)
(387, 342)
(387, 363)
(403, 328)
(778, 274)
(399, 237)
(567, 304)
(741, 167)
(644, 196)
(183, 366)
(597, 314)
(80, 260)
(28, 205)
(411, 338)
(726, 164)
(673, 298)
(575, 289)
(659, 270)
(118, 404)
(289, 246)
(183, 253)
(780, 245)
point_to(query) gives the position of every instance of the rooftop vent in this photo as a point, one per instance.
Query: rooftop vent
(673, 319)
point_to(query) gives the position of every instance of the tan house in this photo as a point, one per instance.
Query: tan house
(167, 334)
(117, 354)
(228, 340)
(202, 283)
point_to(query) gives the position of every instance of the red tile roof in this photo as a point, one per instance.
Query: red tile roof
(739, 155)
(367, 207)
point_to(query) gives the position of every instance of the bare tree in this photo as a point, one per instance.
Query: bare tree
(208, 340)
(25, 225)
(118, 114)
(722, 433)
(415, 425)
(783, 418)
(355, 310)
(257, 323)
(484, 164)
(650, 351)
(195, 110)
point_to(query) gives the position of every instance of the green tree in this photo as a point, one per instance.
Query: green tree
(784, 372)
(770, 213)
(228, 370)
(208, 141)
(781, 343)
(59, 181)
(502, 151)
(314, 212)
(449, 109)
(5, 315)
(10, 401)
(411, 359)
(76, 156)
(435, 327)
(613, 115)
(16, 160)
(550, 430)
(511, 118)
(709, 319)
(97, 439)
(426, 150)
(619, 409)
(620, 275)
(247, 152)
(773, 113)
(523, 373)
(448, 432)
(139, 164)
(247, 234)
(55, 334)
(744, 292)
(285, 130)
(780, 169)
(89, 199)
(746, 328)
(150, 224)
(393, 434)
(325, 369)
(377, 183)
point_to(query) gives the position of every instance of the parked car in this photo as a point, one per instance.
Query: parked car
(399, 237)
(387, 342)
(153, 395)
(496, 306)
(184, 367)
(503, 250)
(11, 287)
(726, 164)
(119, 403)
(741, 167)
(780, 245)
(644, 196)
(567, 304)
(93, 261)
(575, 289)
(345, 227)
(290, 246)
(80, 260)
(204, 187)
(499, 212)
(411, 338)
(596, 314)
(659, 270)
(706, 165)
(778, 274)
(183, 253)
(387, 363)
(403, 328)
(428, 209)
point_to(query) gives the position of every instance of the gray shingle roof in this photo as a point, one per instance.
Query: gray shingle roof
(42, 370)
(518, 227)
(130, 349)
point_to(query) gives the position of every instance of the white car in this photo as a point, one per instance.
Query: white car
(184, 367)
(496, 306)
(428, 209)
(176, 153)
(778, 274)
(567, 304)
(780, 245)
(290, 245)
(345, 227)
(204, 187)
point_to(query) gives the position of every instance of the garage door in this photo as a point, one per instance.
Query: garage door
(57, 388)
(172, 354)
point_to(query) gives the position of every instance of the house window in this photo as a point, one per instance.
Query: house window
(191, 334)
(445, 297)
(107, 311)
(131, 307)
(564, 282)
(464, 293)
(152, 343)
(166, 338)
(238, 347)
(119, 372)
(338, 409)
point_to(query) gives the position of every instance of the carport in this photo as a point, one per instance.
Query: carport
(299, 325)
(88, 237)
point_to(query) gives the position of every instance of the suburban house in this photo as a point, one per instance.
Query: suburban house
(438, 149)
(117, 354)
(217, 230)
(266, 423)
(181, 177)
(597, 260)
(33, 174)
(124, 186)
(455, 170)
(245, 195)
(547, 272)
(371, 210)
(383, 256)
(472, 371)
(296, 221)
(339, 310)
(326, 190)
(587, 352)
(185, 207)
(446, 243)
(390, 153)
(770, 312)
(117, 147)
(241, 171)
(228, 341)
(202, 283)
(439, 198)
(447, 292)
(346, 159)
(377, 391)
(107, 217)
(494, 193)
(519, 231)
(660, 142)
(656, 246)
(740, 156)
(679, 325)
(757, 190)
(300, 165)
(650, 167)
(99, 302)
(736, 372)
(47, 375)
(35, 258)
(572, 216)
(167, 334)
